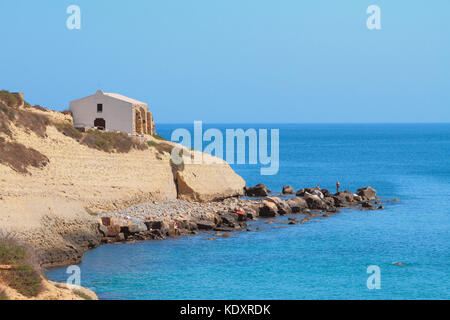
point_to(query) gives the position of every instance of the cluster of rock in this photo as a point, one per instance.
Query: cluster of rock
(156, 221)
(313, 199)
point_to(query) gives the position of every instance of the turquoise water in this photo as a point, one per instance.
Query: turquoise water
(322, 259)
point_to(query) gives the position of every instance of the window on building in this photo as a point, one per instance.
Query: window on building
(99, 107)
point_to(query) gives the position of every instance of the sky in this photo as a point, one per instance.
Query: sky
(235, 61)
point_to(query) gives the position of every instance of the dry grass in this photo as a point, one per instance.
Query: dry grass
(82, 295)
(19, 157)
(11, 99)
(158, 137)
(40, 108)
(24, 275)
(11, 252)
(3, 295)
(111, 141)
(67, 129)
(30, 121)
(10, 113)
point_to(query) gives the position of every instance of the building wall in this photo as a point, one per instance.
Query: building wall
(118, 114)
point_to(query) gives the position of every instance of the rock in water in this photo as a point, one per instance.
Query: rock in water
(268, 209)
(282, 206)
(367, 193)
(288, 190)
(297, 204)
(315, 202)
(259, 190)
(343, 198)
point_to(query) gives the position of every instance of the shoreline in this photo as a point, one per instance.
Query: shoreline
(162, 220)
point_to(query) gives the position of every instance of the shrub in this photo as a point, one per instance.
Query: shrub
(11, 252)
(24, 278)
(24, 275)
(6, 115)
(32, 121)
(111, 141)
(68, 130)
(158, 137)
(10, 99)
(82, 295)
(19, 157)
(3, 295)
(164, 147)
(38, 107)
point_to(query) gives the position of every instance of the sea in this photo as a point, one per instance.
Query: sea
(401, 252)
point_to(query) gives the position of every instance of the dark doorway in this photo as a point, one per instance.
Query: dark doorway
(100, 123)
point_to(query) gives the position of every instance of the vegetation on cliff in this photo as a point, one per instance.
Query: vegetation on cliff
(18, 270)
(15, 111)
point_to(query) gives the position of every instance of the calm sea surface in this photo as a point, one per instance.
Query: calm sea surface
(322, 259)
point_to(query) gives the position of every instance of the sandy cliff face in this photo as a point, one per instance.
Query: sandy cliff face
(55, 207)
(52, 291)
(208, 182)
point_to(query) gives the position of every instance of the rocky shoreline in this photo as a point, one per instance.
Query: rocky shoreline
(162, 220)
(157, 221)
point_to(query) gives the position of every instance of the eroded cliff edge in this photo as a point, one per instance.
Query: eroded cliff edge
(53, 199)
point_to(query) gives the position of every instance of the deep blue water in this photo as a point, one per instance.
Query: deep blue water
(326, 259)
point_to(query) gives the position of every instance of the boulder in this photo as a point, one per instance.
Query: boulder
(343, 198)
(106, 221)
(103, 229)
(133, 228)
(161, 225)
(297, 204)
(315, 202)
(288, 190)
(268, 209)
(251, 213)
(301, 192)
(205, 224)
(259, 190)
(120, 237)
(326, 193)
(208, 182)
(367, 193)
(282, 206)
(329, 201)
(113, 230)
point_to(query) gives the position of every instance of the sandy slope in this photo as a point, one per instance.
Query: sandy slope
(51, 291)
(55, 207)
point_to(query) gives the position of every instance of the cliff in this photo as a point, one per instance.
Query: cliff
(54, 180)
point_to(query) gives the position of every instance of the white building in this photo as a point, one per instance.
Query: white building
(112, 112)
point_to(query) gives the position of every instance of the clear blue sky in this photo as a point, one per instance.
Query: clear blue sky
(236, 61)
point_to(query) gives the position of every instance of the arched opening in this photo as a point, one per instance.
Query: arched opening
(100, 123)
